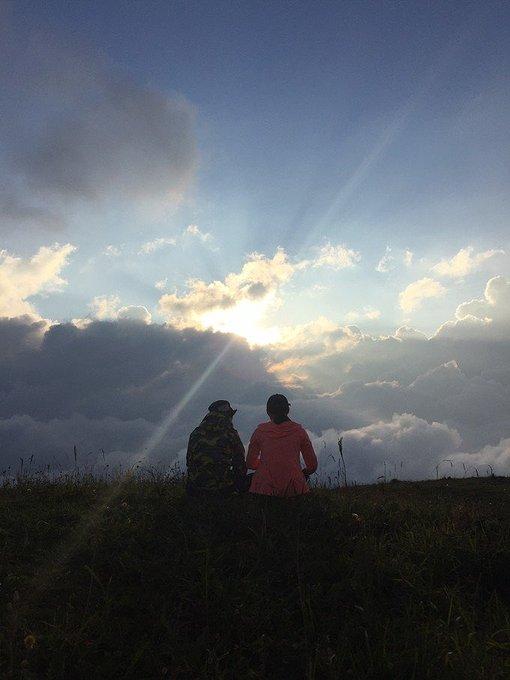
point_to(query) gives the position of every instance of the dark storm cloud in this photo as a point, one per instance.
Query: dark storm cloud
(109, 385)
(74, 128)
(123, 369)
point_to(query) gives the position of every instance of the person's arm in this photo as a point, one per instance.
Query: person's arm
(253, 457)
(308, 455)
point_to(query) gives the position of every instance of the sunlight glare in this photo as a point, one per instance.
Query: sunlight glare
(245, 319)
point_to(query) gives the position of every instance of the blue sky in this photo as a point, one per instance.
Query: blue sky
(367, 124)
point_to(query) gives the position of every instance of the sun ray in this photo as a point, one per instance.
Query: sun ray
(174, 413)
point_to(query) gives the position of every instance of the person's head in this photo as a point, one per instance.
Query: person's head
(222, 406)
(278, 408)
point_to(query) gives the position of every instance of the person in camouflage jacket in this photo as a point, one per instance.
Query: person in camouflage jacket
(215, 456)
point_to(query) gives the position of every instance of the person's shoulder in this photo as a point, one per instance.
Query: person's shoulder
(299, 428)
(260, 429)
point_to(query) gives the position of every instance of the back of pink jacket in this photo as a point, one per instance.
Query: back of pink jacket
(275, 455)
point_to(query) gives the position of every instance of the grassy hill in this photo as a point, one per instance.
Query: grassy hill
(129, 579)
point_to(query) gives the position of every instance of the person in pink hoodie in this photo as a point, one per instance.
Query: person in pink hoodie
(275, 452)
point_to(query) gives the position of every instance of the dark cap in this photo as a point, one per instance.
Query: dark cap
(222, 406)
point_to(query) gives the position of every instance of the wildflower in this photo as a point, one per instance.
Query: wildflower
(356, 517)
(124, 504)
(88, 643)
(29, 641)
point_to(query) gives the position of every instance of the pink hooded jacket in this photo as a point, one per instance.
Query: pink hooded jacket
(275, 455)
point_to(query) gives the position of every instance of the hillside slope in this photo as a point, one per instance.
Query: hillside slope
(130, 579)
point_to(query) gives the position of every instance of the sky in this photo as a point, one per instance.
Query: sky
(203, 201)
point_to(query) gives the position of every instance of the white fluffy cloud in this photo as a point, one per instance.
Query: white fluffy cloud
(336, 256)
(22, 278)
(135, 313)
(464, 262)
(259, 278)
(413, 296)
(242, 301)
(487, 317)
(104, 306)
(107, 307)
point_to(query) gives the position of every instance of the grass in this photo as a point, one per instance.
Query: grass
(130, 579)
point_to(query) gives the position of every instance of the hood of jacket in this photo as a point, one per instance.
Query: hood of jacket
(274, 431)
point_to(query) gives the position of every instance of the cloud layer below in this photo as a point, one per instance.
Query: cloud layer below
(404, 403)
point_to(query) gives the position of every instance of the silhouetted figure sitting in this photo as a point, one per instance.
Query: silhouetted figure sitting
(215, 456)
(275, 453)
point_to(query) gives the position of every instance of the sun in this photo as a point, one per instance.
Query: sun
(245, 319)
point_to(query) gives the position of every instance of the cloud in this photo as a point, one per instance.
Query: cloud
(161, 284)
(104, 307)
(405, 446)
(413, 296)
(112, 251)
(301, 348)
(408, 258)
(241, 301)
(322, 354)
(122, 369)
(464, 262)
(397, 398)
(21, 278)
(151, 246)
(336, 257)
(491, 459)
(482, 318)
(108, 307)
(260, 278)
(76, 129)
(135, 313)
(408, 333)
(388, 261)
(193, 230)
(109, 384)
(16, 210)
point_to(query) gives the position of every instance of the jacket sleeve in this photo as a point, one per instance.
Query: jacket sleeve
(308, 454)
(253, 457)
(238, 462)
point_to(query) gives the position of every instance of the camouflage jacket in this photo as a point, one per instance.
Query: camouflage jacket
(215, 456)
